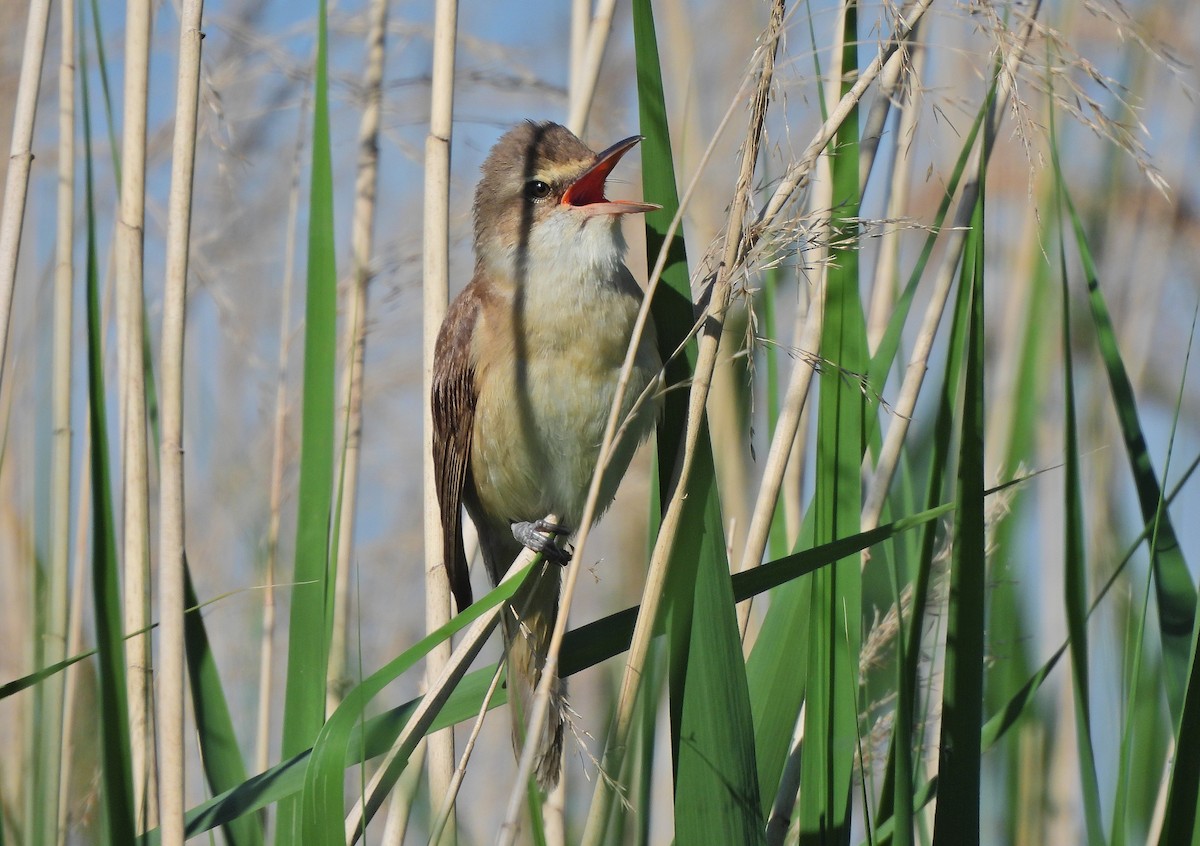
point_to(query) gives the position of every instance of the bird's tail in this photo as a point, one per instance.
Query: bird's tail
(528, 626)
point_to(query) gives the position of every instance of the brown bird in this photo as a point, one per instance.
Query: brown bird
(525, 373)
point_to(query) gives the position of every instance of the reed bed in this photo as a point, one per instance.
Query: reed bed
(908, 560)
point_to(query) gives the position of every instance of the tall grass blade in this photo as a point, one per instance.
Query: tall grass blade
(714, 766)
(777, 678)
(957, 817)
(222, 759)
(582, 648)
(114, 710)
(716, 784)
(889, 345)
(672, 306)
(102, 65)
(997, 727)
(1181, 822)
(1173, 586)
(900, 771)
(308, 629)
(1075, 587)
(1009, 612)
(835, 633)
(323, 800)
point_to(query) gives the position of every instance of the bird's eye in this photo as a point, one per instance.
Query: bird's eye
(535, 189)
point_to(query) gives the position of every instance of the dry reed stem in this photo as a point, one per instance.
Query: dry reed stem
(447, 806)
(554, 810)
(580, 92)
(132, 378)
(890, 81)
(55, 644)
(439, 690)
(798, 174)
(362, 228)
(262, 742)
(795, 400)
(780, 818)
(583, 89)
(171, 516)
(20, 161)
(401, 798)
(886, 266)
(914, 377)
(580, 14)
(436, 295)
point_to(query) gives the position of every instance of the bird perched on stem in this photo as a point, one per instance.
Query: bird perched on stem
(525, 373)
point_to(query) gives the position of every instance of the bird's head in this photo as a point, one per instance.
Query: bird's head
(542, 187)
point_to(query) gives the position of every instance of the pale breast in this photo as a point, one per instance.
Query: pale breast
(547, 373)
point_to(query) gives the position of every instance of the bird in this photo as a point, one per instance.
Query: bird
(525, 371)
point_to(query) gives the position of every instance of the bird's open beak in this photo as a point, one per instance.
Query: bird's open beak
(587, 192)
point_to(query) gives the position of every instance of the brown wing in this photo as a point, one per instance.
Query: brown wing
(453, 406)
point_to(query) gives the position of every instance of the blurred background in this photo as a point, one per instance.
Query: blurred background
(1123, 76)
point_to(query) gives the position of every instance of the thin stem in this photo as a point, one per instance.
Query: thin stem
(132, 378)
(20, 161)
(262, 742)
(440, 690)
(914, 377)
(583, 89)
(460, 771)
(580, 13)
(55, 645)
(799, 174)
(171, 522)
(400, 800)
(436, 295)
(883, 290)
(361, 236)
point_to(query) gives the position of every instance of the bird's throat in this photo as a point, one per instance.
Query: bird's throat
(565, 255)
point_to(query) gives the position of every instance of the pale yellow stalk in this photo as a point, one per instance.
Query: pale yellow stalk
(883, 289)
(20, 161)
(584, 84)
(436, 296)
(130, 374)
(400, 801)
(75, 635)
(55, 646)
(580, 17)
(797, 174)
(460, 771)
(171, 516)
(785, 442)
(794, 404)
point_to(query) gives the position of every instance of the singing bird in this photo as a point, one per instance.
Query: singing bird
(525, 373)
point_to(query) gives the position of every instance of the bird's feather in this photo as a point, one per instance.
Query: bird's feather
(453, 406)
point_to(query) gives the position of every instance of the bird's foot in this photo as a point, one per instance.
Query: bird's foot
(533, 535)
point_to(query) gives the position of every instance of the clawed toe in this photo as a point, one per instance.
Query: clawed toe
(533, 535)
